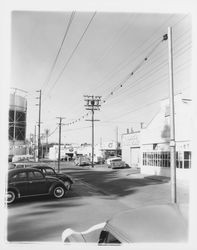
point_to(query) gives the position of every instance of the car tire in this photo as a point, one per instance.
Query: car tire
(67, 185)
(10, 197)
(58, 192)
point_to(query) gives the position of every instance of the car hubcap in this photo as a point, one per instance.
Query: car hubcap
(10, 197)
(59, 192)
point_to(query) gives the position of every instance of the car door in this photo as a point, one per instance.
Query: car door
(20, 181)
(37, 183)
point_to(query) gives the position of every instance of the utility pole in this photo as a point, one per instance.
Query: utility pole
(35, 143)
(117, 141)
(92, 103)
(172, 120)
(59, 150)
(47, 135)
(39, 121)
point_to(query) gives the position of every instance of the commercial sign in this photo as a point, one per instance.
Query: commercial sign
(110, 145)
(131, 140)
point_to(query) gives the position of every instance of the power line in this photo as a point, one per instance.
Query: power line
(132, 111)
(155, 69)
(129, 75)
(59, 50)
(164, 51)
(53, 131)
(71, 55)
(124, 63)
(147, 74)
(135, 69)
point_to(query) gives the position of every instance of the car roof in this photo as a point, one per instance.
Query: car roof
(159, 223)
(114, 158)
(42, 166)
(18, 170)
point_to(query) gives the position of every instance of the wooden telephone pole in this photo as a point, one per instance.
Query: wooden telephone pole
(92, 103)
(59, 150)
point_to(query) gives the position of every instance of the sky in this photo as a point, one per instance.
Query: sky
(99, 51)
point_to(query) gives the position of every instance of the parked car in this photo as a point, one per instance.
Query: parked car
(116, 162)
(158, 223)
(23, 164)
(48, 171)
(82, 161)
(26, 182)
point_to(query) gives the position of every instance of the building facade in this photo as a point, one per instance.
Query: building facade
(149, 148)
(131, 149)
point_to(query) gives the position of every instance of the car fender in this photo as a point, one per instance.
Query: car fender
(90, 235)
(16, 190)
(55, 185)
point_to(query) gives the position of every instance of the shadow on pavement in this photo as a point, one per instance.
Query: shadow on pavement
(113, 183)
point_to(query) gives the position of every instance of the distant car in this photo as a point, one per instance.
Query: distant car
(24, 164)
(158, 223)
(26, 182)
(15, 165)
(48, 171)
(82, 161)
(116, 162)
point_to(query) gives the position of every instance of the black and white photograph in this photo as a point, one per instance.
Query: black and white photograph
(99, 127)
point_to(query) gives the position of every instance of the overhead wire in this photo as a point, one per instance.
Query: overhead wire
(152, 62)
(130, 74)
(151, 72)
(136, 49)
(121, 82)
(58, 53)
(72, 54)
(123, 65)
(151, 86)
(139, 65)
(151, 38)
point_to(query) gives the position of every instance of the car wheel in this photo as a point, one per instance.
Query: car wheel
(67, 185)
(10, 197)
(58, 192)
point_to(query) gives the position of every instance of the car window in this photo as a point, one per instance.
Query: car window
(115, 160)
(19, 177)
(111, 239)
(49, 171)
(19, 166)
(107, 238)
(35, 175)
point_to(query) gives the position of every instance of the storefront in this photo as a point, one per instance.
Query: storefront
(155, 139)
(131, 149)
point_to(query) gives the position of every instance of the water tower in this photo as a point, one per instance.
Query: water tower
(17, 122)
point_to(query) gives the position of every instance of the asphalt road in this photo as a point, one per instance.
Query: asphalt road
(96, 195)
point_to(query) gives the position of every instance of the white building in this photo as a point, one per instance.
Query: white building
(149, 149)
(131, 149)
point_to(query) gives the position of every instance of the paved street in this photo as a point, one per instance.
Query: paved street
(97, 195)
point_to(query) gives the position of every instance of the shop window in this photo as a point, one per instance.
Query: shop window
(187, 159)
